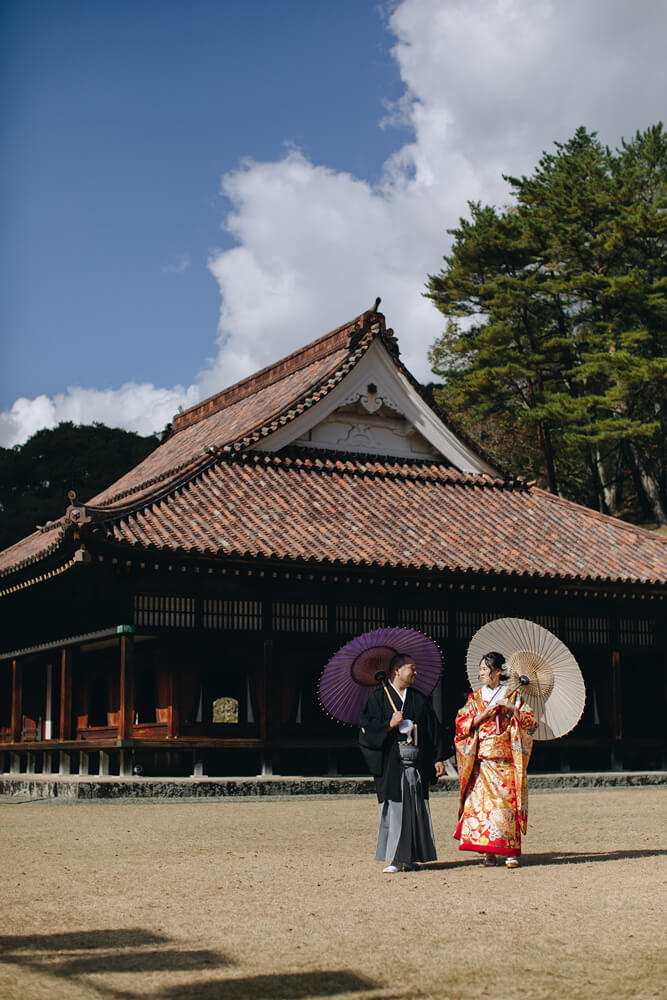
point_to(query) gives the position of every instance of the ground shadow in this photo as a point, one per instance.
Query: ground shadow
(77, 955)
(551, 858)
(281, 986)
(580, 858)
(467, 861)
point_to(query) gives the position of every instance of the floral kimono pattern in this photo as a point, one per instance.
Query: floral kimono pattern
(493, 807)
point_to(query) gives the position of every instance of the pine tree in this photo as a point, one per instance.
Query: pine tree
(556, 313)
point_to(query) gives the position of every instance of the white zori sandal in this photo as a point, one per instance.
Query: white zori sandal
(511, 862)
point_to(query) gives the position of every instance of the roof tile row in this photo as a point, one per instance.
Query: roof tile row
(420, 516)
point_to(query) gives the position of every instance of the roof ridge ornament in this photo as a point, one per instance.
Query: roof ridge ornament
(372, 399)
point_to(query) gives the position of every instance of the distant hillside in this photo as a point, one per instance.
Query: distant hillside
(35, 477)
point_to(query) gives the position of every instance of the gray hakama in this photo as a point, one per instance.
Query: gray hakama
(405, 831)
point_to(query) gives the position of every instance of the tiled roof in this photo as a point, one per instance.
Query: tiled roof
(313, 507)
(385, 513)
(242, 415)
(34, 547)
(201, 492)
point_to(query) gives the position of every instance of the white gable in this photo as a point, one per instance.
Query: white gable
(375, 410)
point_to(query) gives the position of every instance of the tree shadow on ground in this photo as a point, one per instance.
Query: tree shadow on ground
(77, 955)
(280, 986)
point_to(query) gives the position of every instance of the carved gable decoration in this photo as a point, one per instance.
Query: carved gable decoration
(369, 421)
(376, 410)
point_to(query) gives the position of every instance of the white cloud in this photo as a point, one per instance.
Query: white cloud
(489, 85)
(136, 407)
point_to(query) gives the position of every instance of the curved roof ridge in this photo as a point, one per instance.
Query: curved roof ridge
(342, 337)
(33, 547)
(262, 429)
(343, 346)
(389, 466)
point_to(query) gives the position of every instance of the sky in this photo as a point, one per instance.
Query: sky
(191, 189)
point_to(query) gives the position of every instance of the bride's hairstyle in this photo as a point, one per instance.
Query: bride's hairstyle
(494, 661)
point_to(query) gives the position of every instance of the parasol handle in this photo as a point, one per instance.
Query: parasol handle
(381, 678)
(523, 680)
(391, 700)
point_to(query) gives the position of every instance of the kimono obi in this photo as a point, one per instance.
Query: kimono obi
(495, 747)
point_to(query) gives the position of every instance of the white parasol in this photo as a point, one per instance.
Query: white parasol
(540, 665)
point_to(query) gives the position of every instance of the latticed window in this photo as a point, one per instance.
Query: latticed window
(373, 618)
(296, 616)
(354, 618)
(232, 614)
(549, 622)
(638, 631)
(587, 631)
(164, 611)
(432, 621)
(467, 622)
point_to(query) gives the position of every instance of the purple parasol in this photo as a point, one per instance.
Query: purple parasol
(350, 675)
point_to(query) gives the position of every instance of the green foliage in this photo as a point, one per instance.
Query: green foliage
(554, 353)
(35, 477)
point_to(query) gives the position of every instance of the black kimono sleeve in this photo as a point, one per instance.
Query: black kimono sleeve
(375, 737)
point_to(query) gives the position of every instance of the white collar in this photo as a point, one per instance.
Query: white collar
(493, 693)
(401, 694)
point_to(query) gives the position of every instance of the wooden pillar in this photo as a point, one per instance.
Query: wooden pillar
(66, 695)
(174, 707)
(17, 701)
(616, 712)
(126, 716)
(125, 764)
(263, 684)
(48, 712)
(263, 705)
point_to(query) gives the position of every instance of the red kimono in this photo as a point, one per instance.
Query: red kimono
(493, 807)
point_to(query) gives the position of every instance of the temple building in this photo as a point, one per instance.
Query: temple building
(177, 623)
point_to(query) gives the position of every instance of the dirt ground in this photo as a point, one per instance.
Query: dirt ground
(280, 898)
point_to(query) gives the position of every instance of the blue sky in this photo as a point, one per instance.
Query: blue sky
(192, 189)
(119, 119)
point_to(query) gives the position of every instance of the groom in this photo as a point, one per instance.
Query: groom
(401, 742)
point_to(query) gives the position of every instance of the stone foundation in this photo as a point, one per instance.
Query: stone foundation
(28, 787)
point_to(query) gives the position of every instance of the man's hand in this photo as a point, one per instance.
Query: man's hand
(396, 720)
(439, 768)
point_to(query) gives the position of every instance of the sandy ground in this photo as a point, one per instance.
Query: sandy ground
(280, 898)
